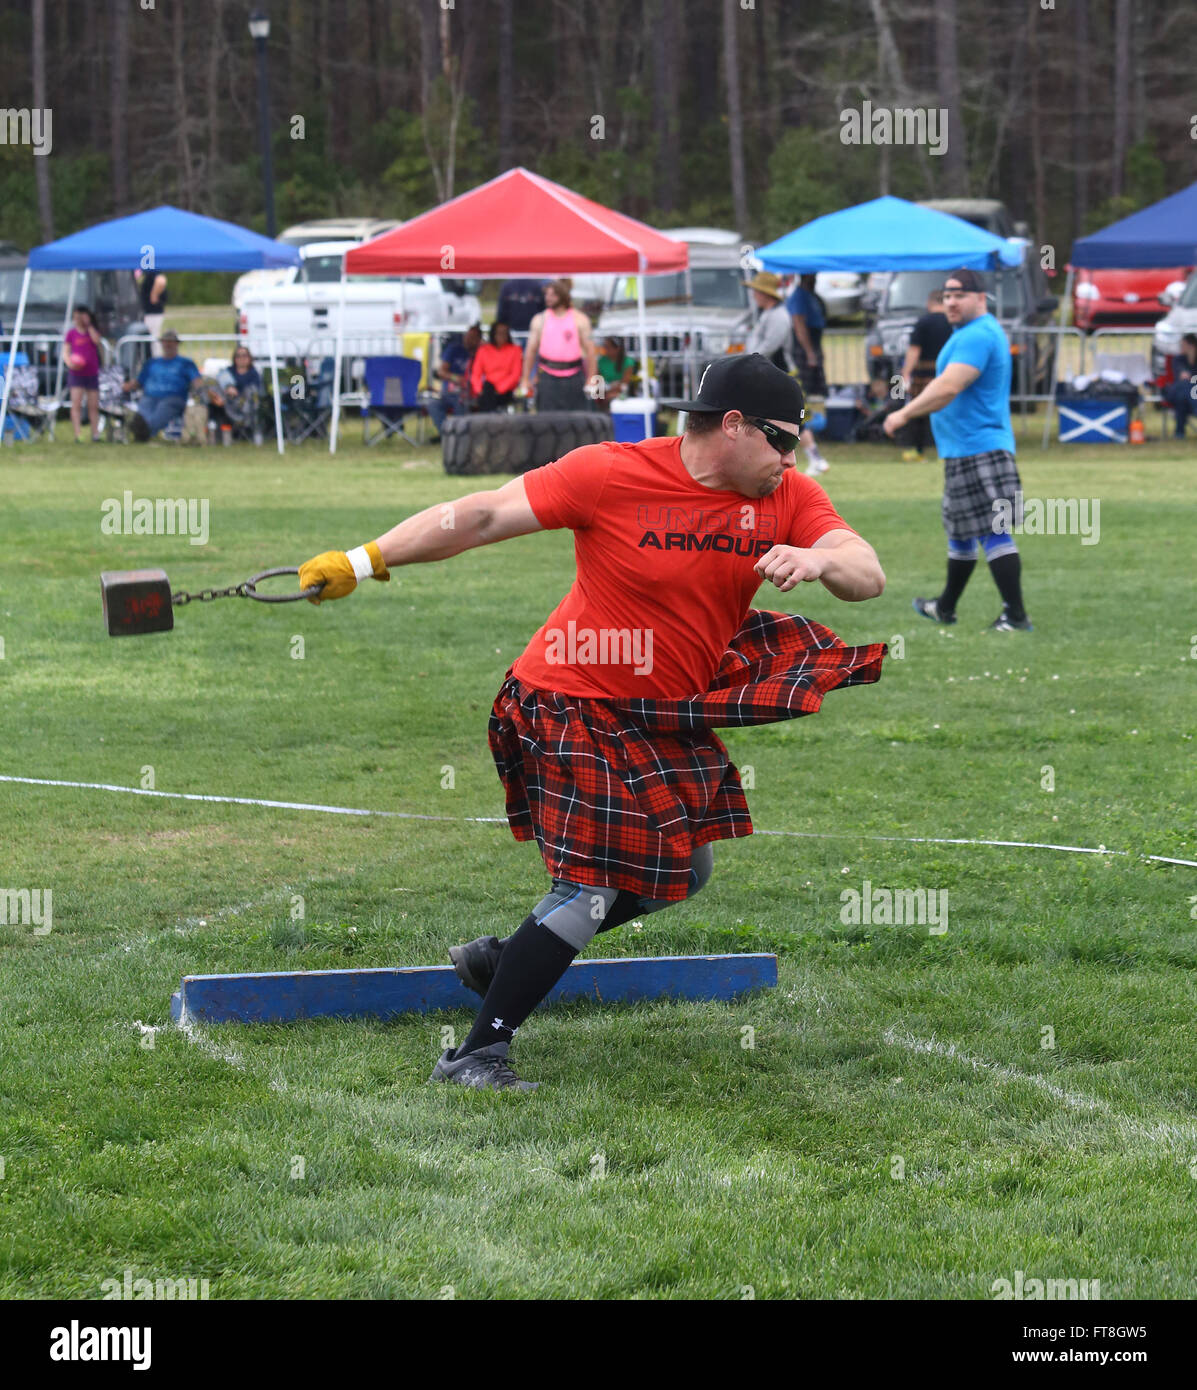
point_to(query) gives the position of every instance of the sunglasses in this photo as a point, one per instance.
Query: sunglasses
(782, 440)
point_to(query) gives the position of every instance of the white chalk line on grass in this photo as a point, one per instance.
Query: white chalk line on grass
(1183, 1137)
(502, 820)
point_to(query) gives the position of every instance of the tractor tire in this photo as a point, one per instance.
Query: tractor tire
(475, 444)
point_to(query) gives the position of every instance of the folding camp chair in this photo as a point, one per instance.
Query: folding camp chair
(15, 425)
(29, 414)
(113, 407)
(310, 416)
(393, 387)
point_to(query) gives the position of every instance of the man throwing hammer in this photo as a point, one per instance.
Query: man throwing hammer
(970, 404)
(602, 731)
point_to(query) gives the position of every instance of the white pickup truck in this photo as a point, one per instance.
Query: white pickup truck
(304, 303)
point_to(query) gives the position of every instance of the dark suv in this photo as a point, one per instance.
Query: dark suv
(111, 295)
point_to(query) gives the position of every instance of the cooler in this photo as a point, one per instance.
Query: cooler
(633, 420)
(1093, 420)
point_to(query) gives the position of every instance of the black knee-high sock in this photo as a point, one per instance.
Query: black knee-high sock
(625, 907)
(1007, 575)
(958, 576)
(533, 960)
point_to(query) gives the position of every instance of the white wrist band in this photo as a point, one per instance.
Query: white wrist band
(363, 566)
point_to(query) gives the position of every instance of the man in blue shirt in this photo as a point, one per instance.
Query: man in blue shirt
(519, 303)
(808, 321)
(453, 370)
(969, 401)
(165, 382)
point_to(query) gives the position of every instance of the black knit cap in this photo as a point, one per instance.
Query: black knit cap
(749, 383)
(969, 280)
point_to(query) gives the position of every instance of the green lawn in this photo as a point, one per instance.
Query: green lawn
(899, 1126)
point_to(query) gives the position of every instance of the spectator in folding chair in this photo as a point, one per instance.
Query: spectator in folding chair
(1179, 393)
(495, 372)
(393, 387)
(618, 371)
(82, 347)
(453, 370)
(235, 401)
(165, 382)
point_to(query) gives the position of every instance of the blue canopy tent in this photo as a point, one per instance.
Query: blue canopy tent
(887, 234)
(162, 239)
(1163, 234)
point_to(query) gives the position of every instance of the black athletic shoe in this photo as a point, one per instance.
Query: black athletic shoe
(1005, 623)
(476, 962)
(929, 608)
(484, 1070)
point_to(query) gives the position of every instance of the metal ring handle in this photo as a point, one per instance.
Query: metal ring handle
(251, 590)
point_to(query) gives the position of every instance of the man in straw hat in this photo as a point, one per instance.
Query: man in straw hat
(771, 336)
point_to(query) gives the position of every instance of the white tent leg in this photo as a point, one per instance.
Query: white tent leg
(1051, 404)
(689, 375)
(278, 409)
(645, 393)
(66, 323)
(336, 400)
(12, 352)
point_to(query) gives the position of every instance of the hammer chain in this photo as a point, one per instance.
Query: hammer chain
(207, 595)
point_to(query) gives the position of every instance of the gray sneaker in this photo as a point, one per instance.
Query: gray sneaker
(484, 1070)
(476, 962)
(929, 608)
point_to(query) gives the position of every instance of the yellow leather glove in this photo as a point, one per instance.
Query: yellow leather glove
(340, 570)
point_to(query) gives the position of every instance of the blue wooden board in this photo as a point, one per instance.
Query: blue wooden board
(285, 996)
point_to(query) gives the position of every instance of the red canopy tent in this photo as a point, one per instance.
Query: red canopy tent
(518, 224)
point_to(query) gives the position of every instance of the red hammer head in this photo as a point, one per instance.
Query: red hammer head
(136, 601)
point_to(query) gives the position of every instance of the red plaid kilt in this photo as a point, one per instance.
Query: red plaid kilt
(619, 793)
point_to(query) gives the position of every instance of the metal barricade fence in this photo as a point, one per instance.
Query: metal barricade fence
(1133, 357)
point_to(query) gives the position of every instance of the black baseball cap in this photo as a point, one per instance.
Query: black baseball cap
(969, 280)
(749, 383)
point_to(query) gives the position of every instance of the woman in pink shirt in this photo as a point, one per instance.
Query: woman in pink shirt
(83, 370)
(496, 369)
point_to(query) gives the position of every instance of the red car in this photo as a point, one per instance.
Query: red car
(1121, 297)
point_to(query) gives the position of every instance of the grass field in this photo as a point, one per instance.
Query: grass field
(917, 1115)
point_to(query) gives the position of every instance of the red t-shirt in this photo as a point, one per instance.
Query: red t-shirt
(664, 568)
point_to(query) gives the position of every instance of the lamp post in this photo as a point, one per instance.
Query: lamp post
(259, 28)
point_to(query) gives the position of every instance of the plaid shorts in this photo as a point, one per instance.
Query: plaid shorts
(971, 485)
(619, 793)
